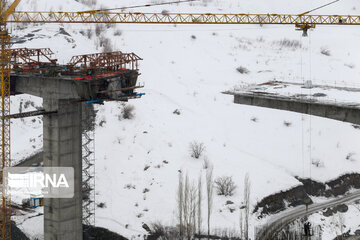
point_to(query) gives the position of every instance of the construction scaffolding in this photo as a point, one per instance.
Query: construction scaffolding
(31, 58)
(103, 62)
(88, 169)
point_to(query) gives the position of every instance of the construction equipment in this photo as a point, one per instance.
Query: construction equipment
(30, 114)
(303, 22)
(100, 62)
(98, 77)
(5, 68)
(30, 59)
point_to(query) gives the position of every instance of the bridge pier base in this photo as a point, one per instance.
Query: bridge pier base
(62, 148)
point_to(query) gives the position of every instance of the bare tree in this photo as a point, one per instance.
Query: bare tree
(189, 198)
(186, 210)
(225, 186)
(193, 203)
(247, 185)
(199, 198)
(241, 224)
(196, 149)
(189, 208)
(209, 192)
(206, 162)
(180, 200)
(339, 222)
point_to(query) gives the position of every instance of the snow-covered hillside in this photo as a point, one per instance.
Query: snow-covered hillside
(187, 68)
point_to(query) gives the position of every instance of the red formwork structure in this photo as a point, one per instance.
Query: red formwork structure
(104, 62)
(31, 58)
(24, 59)
(99, 77)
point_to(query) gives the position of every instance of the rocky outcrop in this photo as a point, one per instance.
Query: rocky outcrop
(301, 194)
(16, 233)
(102, 234)
(280, 201)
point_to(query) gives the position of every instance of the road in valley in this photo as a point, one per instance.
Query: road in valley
(277, 223)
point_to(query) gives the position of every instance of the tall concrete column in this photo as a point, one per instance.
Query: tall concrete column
(62, 148)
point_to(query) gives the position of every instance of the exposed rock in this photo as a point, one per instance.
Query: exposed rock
(319, 95)
(344, 236)
(356, 126)
(313, 188)
(101, 234)
(29, 35)
(276, 202)
(177, 112)
(301, 194)
(16, 233)
(231, 209)
(329, 212)
(343, 184)
(62, 31)
(341, 208)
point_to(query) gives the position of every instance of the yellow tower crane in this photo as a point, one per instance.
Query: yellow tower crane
(5, 68)
(302, 21)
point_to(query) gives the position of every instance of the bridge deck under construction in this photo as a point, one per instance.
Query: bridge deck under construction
(336, 103)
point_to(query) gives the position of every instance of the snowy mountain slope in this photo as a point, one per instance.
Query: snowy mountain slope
(187, 68)
(27, 132)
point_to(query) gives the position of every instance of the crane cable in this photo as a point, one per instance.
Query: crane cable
(310, 113)
(302, 114)
(304, 13)
(137, 6)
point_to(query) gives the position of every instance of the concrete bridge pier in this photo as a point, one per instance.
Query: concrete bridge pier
(62, 140)
(62, 148)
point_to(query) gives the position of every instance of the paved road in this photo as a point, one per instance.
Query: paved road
(279, 222)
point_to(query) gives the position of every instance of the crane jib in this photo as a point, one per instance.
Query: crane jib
(180, 18)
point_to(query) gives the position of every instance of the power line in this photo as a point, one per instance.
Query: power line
(139, 6)
(319, 7)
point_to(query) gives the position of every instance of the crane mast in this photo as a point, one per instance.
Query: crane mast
(8, 14)
(5, 122)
